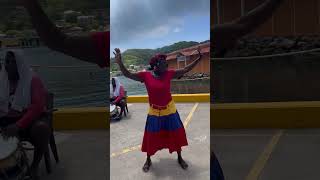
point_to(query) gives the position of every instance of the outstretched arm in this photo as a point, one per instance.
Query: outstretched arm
(225, 35)
(81, 47)
(180, 72)
(124, 70)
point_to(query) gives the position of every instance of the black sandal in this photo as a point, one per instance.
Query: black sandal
(146, 166)
(183, 164)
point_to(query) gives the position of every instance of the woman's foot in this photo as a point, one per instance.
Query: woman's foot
(182, 163)
(147, 165)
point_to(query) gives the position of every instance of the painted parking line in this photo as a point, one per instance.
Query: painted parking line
(189, 117)
(264, 157)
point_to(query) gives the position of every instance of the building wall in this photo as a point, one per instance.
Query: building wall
(294, 17)
(266, 80)
(202, 67)
(287, 78)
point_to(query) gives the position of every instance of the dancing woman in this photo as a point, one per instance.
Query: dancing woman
(164, 129)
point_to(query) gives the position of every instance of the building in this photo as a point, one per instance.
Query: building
(71, 16)
(9, 42)
(176, 61)
(294, 17)
(85, 20)
(6, 42)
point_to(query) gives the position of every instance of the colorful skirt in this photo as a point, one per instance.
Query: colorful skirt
(163, 130)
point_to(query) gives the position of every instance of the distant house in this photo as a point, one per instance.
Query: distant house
(74, 30)
(131, 66)
(30, 42)
(9, 42)
(13, 42)
(70, 16)
(60, 23)
(68, 12)
(85, 20)
(181, 58)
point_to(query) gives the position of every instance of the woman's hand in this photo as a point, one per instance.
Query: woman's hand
(124, 70)
(199, 51)
(117, 55)
(180, 72)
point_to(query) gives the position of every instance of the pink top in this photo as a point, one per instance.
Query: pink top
(158, 89)
(102, 42)
(38, 103)
(121, 95)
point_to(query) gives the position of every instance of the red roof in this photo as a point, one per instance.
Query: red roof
(204, 48)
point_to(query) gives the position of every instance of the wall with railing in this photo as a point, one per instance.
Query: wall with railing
(273, 78)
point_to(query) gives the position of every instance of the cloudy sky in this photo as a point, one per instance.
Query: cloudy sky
(156, 23)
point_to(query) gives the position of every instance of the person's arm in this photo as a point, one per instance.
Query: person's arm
(124, 70)
(121, 95)
(37, 106)
(180, 72)
(225, 35)
(81, 47)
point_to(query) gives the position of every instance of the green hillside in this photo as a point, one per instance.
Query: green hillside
(14, 17)
(142, 56)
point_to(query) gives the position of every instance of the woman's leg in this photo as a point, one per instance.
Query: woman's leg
(182, 163)
(39, 135)
(147, 164)
(122, 106)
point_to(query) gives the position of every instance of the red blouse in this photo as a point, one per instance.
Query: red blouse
(38, 103)
(158, 89)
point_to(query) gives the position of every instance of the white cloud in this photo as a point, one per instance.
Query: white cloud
(131, 19)
(176, 30)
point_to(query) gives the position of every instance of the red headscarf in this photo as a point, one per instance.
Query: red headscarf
(153, 61)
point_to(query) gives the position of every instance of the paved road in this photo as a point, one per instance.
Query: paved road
(83, 156)
(126, 136)
(268, 154)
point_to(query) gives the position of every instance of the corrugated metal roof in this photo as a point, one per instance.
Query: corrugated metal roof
(204, 48)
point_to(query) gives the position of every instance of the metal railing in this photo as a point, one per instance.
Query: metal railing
(289, 76)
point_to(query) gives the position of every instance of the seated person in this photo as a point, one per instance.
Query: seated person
(117, 94)
(26, 100)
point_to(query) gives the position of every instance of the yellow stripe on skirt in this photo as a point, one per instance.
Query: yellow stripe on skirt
(169, 109)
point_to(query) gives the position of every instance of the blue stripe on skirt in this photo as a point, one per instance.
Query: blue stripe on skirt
(170, 122)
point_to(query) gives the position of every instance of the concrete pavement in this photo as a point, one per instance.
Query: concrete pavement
(264, 154)
(126, 136)
(83, 156)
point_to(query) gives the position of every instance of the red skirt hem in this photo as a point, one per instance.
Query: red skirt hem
(172, 140)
